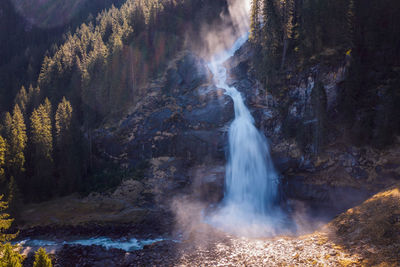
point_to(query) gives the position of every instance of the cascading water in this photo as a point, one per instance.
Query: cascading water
(251, 180)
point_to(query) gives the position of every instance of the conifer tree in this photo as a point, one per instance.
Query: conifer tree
(66, 151)
(5, 223)
(42, 259)
(350, 24)
(271, 38)
(22, 99)
(17, 143)
(34, 98)
(3, 149)
(9, 255)
(288, 19)
(48, 108)
(7, 122)
(13, 197)
(255, 24)
(41, 132)
(42, 149)
(63, 120)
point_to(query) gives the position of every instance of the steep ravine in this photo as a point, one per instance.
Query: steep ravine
(181, 126)
(180, 129)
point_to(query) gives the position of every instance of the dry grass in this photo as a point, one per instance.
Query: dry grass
(372, 229)
(73, 210)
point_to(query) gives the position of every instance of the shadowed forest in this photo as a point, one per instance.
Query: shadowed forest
(115, 126)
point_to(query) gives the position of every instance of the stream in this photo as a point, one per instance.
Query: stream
(126, 244)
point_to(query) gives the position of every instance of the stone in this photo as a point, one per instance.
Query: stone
(129, 190)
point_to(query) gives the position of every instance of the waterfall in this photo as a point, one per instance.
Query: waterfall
(251, 182)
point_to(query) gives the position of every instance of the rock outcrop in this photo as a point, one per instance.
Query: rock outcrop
(181, 125)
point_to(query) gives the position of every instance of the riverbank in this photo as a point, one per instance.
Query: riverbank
(365, 235)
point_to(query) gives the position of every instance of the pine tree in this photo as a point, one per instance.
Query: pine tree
(10, 257)
(5, 223)
(9, 253)
(67, 159)
(48, 108)
(22, 99)
(271, 29)
(350, 25)
(34, 98)
(17, 143)
(271, 39)
(42, 259)
(13, 197)
(41, 151)
(288, 19)
(3, 150)
(7, 122)
(255, 25)
(41, 132)
(63, 120)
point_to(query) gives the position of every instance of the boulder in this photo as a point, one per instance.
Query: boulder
(129, 190)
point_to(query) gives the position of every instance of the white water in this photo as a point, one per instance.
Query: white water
(251, 180)
(108, 243)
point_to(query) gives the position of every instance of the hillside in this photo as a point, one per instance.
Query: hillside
(29, 31)
(188, 132)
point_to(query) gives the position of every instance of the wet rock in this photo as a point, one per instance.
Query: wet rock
(378, 169)
(215, 112)
(192, 70)
(327, 199)
(348, 160)
(359, 173)
(208, 183)
(390, 166)
(240, 71)
(156, 120)
(283, 163)
(394, 175)
(174, 79)
(78, 255)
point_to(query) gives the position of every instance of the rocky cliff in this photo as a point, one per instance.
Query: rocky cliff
(180, 128)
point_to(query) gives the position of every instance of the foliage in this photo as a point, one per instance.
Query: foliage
(9, 253)
(63, 120)
(10, 257)
(42, 259)
(17, 140)
(104, 63)
(42, 151)
(3, 149)
(5, 222)
(67, 154)
(100, 68)
(41, 132)
(32, 29)
(300, 32)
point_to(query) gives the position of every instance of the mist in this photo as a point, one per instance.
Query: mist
(251, 181)
(220, 35)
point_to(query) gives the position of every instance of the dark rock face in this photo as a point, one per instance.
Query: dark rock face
(189, 73)
(184, 118)
(323, 200)
(208, 183)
